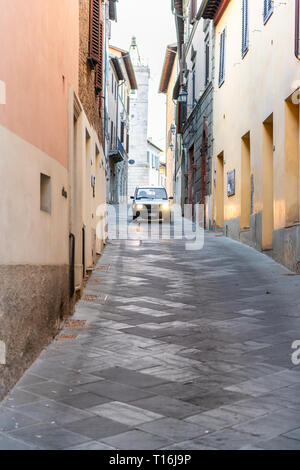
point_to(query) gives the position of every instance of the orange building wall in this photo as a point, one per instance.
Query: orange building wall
(37, 65)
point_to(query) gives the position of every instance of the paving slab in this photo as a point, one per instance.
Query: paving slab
(181, 350)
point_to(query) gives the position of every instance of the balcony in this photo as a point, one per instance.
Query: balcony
(117, 152)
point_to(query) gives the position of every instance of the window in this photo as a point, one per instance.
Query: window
(268, 9)
(245, 27)
(128, 105)
(99, 66)
(148, 158)
(45, 193)
(111, 135)
(207, 59)
(222, 58)
(95, 33)
(194, 86)
(151, 193)
(122, 132)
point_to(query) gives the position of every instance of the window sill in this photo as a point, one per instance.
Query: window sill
(244, 53)
(266, 19)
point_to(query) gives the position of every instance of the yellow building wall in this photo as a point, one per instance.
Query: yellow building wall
(170, 113)
(255, 88)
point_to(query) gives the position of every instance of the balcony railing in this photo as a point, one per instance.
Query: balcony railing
(117, 152)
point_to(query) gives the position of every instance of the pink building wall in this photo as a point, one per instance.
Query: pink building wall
(37, 65)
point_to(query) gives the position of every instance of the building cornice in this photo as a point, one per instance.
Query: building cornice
(221, 10)
(169, 62)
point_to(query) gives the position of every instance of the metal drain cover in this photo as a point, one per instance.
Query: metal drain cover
(103, 268)
(73, 324)
(95, 298)
(66, 337)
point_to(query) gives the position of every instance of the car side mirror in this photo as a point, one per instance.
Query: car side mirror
(171, 198)
(131, 197)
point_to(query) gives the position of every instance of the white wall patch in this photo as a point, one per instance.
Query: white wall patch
(2, 92)
(2, 353)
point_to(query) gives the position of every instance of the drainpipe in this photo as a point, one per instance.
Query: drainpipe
(117, 132)
(297, 19)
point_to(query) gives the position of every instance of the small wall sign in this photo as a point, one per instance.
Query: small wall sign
(131, 162)
(231, 183)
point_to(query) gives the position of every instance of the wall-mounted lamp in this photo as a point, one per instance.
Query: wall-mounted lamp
(183, 96)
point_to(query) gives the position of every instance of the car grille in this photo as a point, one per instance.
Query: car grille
(151, 208)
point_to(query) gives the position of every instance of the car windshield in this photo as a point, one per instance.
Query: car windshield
(152, 193)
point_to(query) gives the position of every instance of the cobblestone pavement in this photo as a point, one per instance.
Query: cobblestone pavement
(180, 350)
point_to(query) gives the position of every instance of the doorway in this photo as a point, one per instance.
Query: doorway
(220, 191)
(246, 182)
(268, 184)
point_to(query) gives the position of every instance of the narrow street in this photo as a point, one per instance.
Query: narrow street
(168, 349)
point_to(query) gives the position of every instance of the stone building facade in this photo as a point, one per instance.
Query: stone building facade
(194, 93)
(90, 97)
(121, 82)
(167, 83)
(52, 169)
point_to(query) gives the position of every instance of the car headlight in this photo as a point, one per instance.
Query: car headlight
(165, 207)
(140, 207)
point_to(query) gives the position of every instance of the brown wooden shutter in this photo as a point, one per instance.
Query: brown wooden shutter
(94, 44)
(100, 64)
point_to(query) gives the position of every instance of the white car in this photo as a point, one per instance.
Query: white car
(151, 203)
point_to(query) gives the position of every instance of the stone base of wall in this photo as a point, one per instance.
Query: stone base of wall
(33, 302)
(286, 241)
(286, 247)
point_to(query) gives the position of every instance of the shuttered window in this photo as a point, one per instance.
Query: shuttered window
(99, 67)
(222, 58)
(268, 9)
(207, 60)
(193, 11)
(181, 116)
(94, 43)
(194, 86)
(245, 27)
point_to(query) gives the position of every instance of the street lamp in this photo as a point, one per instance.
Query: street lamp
(183, 96)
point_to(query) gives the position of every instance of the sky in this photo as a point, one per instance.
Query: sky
(152, 22)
